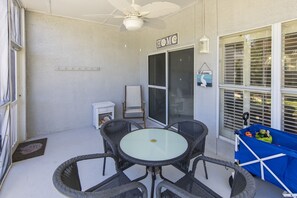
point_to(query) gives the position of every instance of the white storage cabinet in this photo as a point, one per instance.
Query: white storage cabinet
(102, 112)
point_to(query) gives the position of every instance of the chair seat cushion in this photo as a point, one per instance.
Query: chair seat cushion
(133, 110)
(116, 180)
(193, 186)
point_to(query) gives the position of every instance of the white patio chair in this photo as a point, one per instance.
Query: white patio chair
(134, 106)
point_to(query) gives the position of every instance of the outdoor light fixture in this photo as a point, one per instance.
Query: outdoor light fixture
(133, 23)
(204, 44)
(204, 41)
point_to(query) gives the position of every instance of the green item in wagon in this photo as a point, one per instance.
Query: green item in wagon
(264, 136)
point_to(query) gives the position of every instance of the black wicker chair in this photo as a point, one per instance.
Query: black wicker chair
(112, 132)
(195, 132)
(190, 187)
(66, 179)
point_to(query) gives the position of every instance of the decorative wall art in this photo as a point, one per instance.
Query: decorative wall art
(167, 41)
(204, 77)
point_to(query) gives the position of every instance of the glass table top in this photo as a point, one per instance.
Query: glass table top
(153, 144)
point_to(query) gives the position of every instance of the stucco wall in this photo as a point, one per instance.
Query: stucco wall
(61, 100)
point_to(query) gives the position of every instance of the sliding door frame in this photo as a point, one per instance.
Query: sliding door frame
(159, 87)
(167, 51)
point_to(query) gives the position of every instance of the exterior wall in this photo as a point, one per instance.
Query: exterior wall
(221, 17)
(61, 100)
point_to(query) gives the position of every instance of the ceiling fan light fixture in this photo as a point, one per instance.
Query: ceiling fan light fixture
(133, 23)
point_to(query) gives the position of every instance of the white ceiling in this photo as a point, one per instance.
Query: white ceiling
(80, 9)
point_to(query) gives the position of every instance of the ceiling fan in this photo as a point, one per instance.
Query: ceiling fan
(135, 15)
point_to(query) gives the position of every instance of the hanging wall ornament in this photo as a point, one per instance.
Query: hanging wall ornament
(204, 41)
(204, 77)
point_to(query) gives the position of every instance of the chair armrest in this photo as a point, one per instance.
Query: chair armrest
(174, 189)
(211, 160)
(87, 157)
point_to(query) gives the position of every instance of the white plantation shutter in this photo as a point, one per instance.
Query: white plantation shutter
(245, 80)
(260, 74)
(290, 60)
(289, 78)
(289, 112)
(233, 109)
(233, 64)
(260, 108)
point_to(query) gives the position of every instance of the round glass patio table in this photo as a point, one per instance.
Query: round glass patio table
(153, 147)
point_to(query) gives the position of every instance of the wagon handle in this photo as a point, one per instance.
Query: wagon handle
(245, 117)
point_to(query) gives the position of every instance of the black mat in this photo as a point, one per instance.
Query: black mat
(29, 149)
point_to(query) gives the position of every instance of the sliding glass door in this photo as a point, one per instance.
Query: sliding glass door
(171, 86)
(180, 85)
(157, 87)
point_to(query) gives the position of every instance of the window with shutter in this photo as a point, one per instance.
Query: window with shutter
(289, 118)
(245, 79)
(260, 108)
(233, 109)
(261, 62)
(233, 67)
(289, 77)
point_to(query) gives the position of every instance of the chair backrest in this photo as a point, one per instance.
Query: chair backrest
(133, 96)
(114, 130)
(195, 132)
(70, 177)
(243, 184)
(66, 180)
(240, 184)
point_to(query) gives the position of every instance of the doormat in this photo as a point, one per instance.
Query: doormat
(29, 149)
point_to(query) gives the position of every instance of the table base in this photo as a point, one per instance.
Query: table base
(154, 171)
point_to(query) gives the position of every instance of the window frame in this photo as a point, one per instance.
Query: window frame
(245, 87)
(286, 91)
(277, 90)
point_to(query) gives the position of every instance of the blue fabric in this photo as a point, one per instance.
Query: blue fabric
(284, 167)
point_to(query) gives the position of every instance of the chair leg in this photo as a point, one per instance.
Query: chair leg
(204, 164)
(104, 162)
(144, 120)
(144, 124)
(104, 159)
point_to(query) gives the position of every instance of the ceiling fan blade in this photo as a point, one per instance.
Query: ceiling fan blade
(97, 15)
(158, 9)
(141, 14)
(121, 5)
(155, 23)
